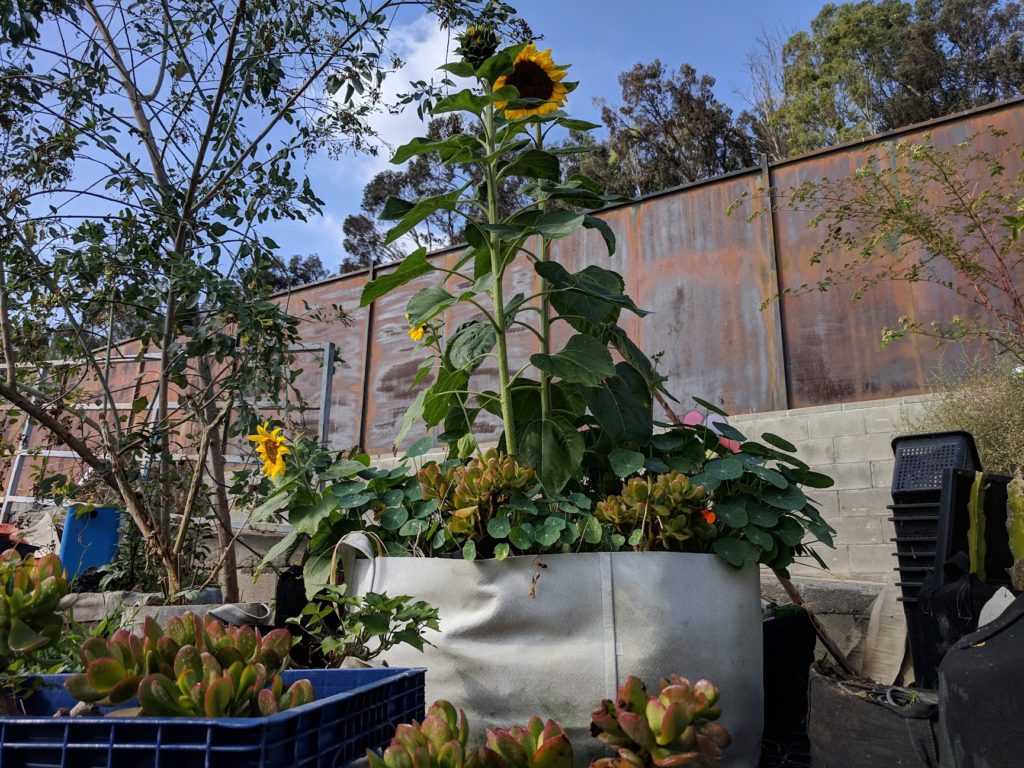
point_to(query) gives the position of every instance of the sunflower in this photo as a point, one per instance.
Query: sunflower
(416, 332)
(535, 76)
(271, 448)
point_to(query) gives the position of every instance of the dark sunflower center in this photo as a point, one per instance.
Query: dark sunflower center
(531, 81)
(271, 450)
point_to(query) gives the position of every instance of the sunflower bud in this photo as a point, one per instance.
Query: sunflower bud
(477, 44)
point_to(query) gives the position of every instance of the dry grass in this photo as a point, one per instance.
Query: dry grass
(987, 400)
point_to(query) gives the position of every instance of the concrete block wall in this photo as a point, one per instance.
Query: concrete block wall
(851, 443)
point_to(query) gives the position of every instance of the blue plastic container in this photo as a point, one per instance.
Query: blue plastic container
(356, 709)
(89, 540)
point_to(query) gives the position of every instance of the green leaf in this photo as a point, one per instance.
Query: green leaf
(427, 303)
(591, 282)
(788, 498)
(572, 124)
(736, 551)
(759, 537)
(789, 531)
(470, 345)
(625, 462)
(521, 536)
(622, 405)
(422, 209)
(306, 519)
(443, 394)
(533, 164)
(710, 406)
(342, 469)
(593, 222)
(140, 404)
(732, 513)
(498, 527)
(728, 468)
(318, 571)
(770, 475)
(584, 360)
(501, 551)
(815, 479)
(592, 530)
(729, 432)
(456, 148)
(282, 546)
(412, 414)
(463, 101)
(553, 448)
(414, 528)
(762, 515)
(414, 265)
(469, 551)
(548, 535)
(779, 442)
(393, 518)
(558, 224)
(420, 447)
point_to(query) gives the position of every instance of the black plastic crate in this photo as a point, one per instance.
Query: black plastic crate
(921, 460)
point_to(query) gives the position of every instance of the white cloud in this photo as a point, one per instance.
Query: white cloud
(423, 46)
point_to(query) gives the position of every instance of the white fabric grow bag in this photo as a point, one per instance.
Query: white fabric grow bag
(554, 635)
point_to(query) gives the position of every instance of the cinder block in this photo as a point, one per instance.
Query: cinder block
(791, 428)
(847, 476)
(837, 560)
(827, 502)
(863, 404)
(836, 424)
(859, 530)
(881, 473)
(888, 420)
(863, 448)
(864, 501)
(819, 451)
(871, 561)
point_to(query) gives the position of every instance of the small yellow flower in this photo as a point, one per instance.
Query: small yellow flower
(416, 332)
(535, 76)
(270, 446)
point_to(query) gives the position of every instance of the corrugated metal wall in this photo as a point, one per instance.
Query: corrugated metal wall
(704, 274)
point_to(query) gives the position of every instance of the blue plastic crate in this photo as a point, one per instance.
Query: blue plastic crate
(356, 709)
(89, 540)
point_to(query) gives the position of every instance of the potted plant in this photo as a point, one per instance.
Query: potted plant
(586, 541)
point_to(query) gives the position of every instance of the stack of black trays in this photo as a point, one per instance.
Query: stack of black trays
(916, 494)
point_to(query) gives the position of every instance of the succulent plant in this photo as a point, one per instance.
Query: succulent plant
(31, 590)
(667, 510)
(190, 667)
(438, 742)
(538, 745)
(674, 728)
(473, 494)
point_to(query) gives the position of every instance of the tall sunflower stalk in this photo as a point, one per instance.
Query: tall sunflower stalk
(515, 99)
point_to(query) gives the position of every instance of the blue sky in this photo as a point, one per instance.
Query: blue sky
(599, 39)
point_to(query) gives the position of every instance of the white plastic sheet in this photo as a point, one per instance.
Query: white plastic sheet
(553, 635)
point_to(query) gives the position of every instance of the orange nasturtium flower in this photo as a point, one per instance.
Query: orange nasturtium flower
(270, 446)
(535, 76)
(708, 515)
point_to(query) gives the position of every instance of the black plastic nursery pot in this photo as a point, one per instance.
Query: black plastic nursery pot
(853, 725)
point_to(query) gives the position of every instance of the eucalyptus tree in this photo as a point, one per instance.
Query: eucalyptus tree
(145, 147)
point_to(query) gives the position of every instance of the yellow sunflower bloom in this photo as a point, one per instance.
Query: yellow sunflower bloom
(535, 76)
(271, 448)
(416, 334)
